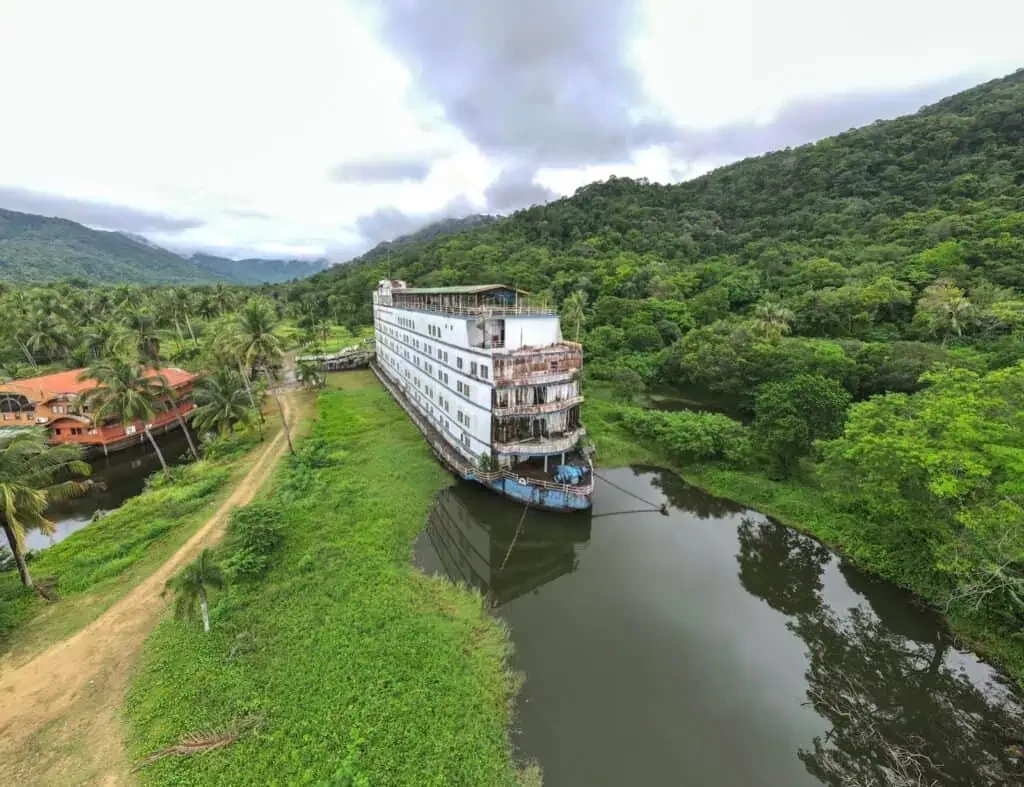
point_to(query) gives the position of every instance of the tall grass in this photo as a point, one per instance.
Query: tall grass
(364, 670)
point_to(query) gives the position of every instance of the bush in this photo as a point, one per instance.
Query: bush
(254, 536)
(690, 436)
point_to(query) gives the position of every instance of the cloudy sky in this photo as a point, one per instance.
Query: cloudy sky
(320, 127)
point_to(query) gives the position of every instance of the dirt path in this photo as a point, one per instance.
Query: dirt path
(60, 712)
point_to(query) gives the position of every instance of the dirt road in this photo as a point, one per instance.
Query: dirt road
(60, 712)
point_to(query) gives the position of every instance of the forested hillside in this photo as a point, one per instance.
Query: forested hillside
(255, 270)
(42, 249)
(857, 304)
(872, 237)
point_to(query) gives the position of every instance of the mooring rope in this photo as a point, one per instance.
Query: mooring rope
(660, 507)
(515, 537)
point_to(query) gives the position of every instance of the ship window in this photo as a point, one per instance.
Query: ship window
(465, 439)
(483, 371)
(56, 431)
(472, 367)
(458, 363)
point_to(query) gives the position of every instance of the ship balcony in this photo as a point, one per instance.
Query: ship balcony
(537, 409)
(554, 363)
(540, 446)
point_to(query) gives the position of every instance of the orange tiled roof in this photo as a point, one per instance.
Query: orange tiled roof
(47, 386)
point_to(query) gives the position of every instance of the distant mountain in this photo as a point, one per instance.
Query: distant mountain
(39, 249)
(256, 271)
(431, 232)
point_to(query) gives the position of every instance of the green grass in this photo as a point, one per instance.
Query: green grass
(98, 564)
(363, 670)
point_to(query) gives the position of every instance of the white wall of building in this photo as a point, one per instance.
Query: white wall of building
(537, 331)
(427, 369)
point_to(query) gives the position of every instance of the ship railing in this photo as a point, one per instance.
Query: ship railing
(576, 489)
(487, 310)
(547, 445)
(537, 409)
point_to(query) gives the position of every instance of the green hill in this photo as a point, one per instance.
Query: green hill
(254, 270)
(40, 249)
(823, 228)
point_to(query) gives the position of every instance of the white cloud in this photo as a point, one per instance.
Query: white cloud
(236, 113)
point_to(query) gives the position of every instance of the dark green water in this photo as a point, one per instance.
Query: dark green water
(116, 478)
(715, 647)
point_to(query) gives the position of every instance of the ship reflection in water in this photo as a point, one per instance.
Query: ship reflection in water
(498, 547)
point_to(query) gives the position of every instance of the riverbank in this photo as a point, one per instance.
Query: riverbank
(807, 509)
(94, 567)
(355, 667)
(60, 719)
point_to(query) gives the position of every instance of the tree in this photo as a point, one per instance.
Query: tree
(772, 319)
(142, 324)
(221, 402)
(573, 311)
(310, 375)
(791, 414)
(128, 392)
(254, 339)
(627, 384)
(190, 587)
(252, 342)
(174, 404)
(943, 310)
(34, 474)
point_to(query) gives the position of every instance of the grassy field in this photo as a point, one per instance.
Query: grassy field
(356, 668)
(338, 338)
(97, 565)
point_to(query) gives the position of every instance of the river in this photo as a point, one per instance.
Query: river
(713, 646)
(118, 477)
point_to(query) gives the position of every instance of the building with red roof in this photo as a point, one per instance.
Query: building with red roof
(53, 401)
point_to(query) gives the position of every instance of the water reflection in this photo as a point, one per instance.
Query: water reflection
(502, 550)
(715, 646)
(899, 713)
(115, 479)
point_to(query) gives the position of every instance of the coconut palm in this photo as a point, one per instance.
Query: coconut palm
(142, 323)
(175, 405)
(189, 587)
(129, 392)
(572, 310)
(255, 342)
(34, 474)
(772, 319)
(221, 402)
(310, 375)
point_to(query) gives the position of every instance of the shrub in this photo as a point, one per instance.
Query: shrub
(690, 436)
(254, 536)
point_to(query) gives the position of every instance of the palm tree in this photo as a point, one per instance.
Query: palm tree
(190, 586)
(34, 474)
(310, 375)
(143, 325)
(221, 402)
(253, 344)
(572, 310)
(129, 392)
(172, 398)
(183, 306)
(256, 344)
(772, 319)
